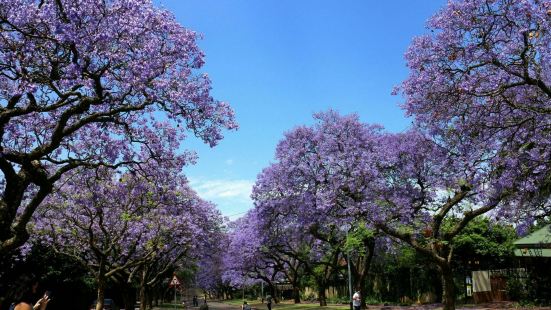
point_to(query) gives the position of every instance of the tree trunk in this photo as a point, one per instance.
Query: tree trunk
(149, 300)
(143, 297)
(273, 293)
(362, 276)
(128, 297)
(143, 293)
(321, 296)
(363, 293)
(10, 203)
(101, 286)
(448, 286)
(296, 294)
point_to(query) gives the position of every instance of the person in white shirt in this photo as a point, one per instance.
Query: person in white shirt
(357, 301)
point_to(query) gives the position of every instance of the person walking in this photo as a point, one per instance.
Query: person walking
(357, 300)
(269, 302)
(245, 306)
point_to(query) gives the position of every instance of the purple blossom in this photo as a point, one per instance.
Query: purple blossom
(95, 83)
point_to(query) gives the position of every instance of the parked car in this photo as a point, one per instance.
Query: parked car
(108, 304)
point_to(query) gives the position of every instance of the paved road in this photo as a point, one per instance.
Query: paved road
(493, 306)
(212, 306)
(220, 306)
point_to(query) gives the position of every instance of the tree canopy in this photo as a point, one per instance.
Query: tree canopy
(88, 84)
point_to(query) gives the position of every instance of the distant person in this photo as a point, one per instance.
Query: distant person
(25, 295)
(195, 302)
(245, 306)
(269, 302)
(357, 300)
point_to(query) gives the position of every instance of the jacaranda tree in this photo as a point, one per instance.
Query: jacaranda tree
(422, 185)
(281, 243)
(189, 227)
(479, 84)
(210, 267)
(127, 225)
(93, 83)
(407, 185)
(321, 181)
(299, 241)
(245, 259)
(288, 245)
(482, 77)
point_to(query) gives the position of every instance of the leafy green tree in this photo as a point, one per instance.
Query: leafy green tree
(484, 244)
(360, 248)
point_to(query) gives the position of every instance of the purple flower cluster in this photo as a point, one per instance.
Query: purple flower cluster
(126, 224)
(94, 83)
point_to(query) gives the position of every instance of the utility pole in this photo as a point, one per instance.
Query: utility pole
(346, 227)
(349, 277)
(175, 300)
(175, 283)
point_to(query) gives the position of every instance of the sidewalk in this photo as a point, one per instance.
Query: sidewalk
(486, 306)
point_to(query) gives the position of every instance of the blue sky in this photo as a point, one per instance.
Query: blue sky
(278, 61)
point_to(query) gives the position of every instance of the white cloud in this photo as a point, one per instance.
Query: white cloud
(222, 188)
(231, 196)
(229, 162)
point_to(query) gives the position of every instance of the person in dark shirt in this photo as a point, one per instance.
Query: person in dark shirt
(245, 306)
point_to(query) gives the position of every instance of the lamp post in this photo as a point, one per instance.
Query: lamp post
(347, 227)
(262, 291)
(349, 278)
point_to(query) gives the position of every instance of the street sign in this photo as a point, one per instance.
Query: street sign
(174, 281)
